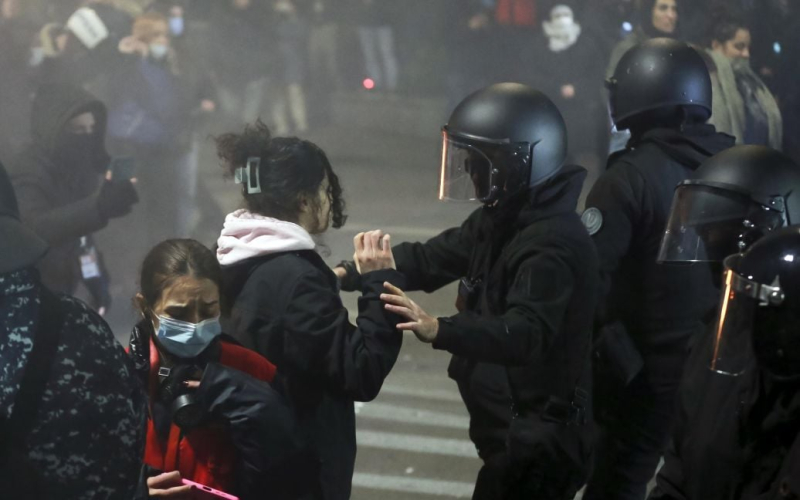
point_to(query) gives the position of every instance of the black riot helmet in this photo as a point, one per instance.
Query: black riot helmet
(499, 141)
(759, 316)
(733, 199)
(657, 74)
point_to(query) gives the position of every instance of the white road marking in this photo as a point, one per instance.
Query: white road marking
(452, 489)
(416, 444)
(437, 394)
(394, 413)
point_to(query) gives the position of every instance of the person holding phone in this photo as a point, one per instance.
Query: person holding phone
(285, 299)
(65, 190)
(213, 418)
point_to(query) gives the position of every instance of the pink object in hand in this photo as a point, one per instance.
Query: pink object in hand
(202, 492)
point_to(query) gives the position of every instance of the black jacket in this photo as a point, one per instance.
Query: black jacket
(661, 306)
(59, 203)
(286, 306)
(532, 313)
(735, 437)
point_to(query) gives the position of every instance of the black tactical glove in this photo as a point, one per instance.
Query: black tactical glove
(116, 199)
(352, 280)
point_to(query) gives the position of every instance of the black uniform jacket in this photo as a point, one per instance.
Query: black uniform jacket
(735, 437)
(537, 273)
(661, 306)
(286, 306)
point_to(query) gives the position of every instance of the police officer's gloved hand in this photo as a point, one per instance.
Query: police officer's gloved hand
(116, 199)
(350, 279)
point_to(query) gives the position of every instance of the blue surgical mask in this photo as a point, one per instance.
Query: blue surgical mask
(187, 340)
(158, 51)
(176, 26)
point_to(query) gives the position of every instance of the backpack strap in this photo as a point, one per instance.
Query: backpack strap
(14, 432)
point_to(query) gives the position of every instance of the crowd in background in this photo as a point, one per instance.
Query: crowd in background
(285, 59)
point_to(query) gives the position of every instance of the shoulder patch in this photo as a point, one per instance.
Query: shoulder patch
(592, 219)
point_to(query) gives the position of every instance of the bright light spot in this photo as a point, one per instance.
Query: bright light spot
(409, 470)
(788, 258)
(626, 26)
(369, 83)
(776, 47)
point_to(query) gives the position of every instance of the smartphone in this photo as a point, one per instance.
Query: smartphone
(122, 169)
(203, 492)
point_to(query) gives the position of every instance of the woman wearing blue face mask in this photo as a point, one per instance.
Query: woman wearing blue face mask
(213, 419)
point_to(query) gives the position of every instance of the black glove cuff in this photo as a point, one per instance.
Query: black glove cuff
(352, 280)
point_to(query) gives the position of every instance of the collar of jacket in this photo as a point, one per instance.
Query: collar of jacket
(558, 195)
(690, 145)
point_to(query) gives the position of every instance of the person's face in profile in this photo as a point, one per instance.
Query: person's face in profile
(737, 47)
(665, 16)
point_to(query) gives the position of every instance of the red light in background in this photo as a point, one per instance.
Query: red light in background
(369, 83)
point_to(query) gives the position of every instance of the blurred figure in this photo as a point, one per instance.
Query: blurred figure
(160, 97)
(289, 112)
(567, 65)
(213, 420)
(323, 44)
(16, 40)
(472, 49)
(89, 54)
(743, 105)
(376, 35)
(72, 410)
(64, 192)
(285, 299)
(648, 312)
(243, 55)
(656, 18)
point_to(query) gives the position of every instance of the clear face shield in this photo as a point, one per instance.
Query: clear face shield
(469, 173)
(741, 301)
(710, 221)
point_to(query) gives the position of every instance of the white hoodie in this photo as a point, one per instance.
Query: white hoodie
(247, 235)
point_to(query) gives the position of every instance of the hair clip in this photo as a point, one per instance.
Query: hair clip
(249, 175)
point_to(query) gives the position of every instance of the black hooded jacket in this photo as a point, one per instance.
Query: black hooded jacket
(59, 202)
(661, 306)
(286, 306)
(536, 274)
(735, 437)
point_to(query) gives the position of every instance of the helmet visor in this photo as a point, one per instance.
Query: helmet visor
(733, 330)
(706, 224)
(467, 172)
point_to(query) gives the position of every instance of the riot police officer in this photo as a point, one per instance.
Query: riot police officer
(738, 431)
(731, 201)
(661, 92)
(528, 275)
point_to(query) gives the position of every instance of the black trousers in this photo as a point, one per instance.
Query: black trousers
(500, 479)
(634, 426)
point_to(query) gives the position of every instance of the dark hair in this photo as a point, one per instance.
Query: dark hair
(724, 23)
(172, 259)
(290, 167)
(644, 9)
